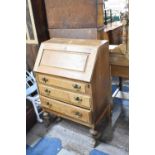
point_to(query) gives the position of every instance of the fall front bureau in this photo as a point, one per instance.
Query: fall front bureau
(73, 78)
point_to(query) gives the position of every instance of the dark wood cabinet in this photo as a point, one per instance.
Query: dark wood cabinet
(36, 32)
(80, 19)
(31, 54)
(36, 29)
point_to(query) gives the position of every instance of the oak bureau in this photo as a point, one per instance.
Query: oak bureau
(73, 77)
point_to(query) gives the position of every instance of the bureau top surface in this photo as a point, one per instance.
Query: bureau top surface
(69, 58)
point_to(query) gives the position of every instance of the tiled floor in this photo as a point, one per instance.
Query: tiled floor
(78, 141)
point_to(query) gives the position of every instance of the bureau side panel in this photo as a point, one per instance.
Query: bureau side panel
(101, 83)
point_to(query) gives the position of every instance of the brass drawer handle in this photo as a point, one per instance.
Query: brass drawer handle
(48, 104)
(47, 91)
(78, 99)
(44, 79)
(78, 114)
(76, 86)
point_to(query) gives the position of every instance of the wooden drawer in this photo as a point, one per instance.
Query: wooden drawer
(66, 96)
(63, 83)
(66, 109)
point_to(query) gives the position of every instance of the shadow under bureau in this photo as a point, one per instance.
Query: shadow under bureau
(73, 77)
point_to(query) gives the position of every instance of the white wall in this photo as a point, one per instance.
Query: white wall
(116, 4)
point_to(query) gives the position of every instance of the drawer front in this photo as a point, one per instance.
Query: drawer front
(62, 83)
(66, 96)
(66, 109)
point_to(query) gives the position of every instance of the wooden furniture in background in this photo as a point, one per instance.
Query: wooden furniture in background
(81, 19)
(36, 32)
(36, 29)
(113, 33)
(31, 54)
(119, 60)
(119, 65)
(119, 54)
(73, 78)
